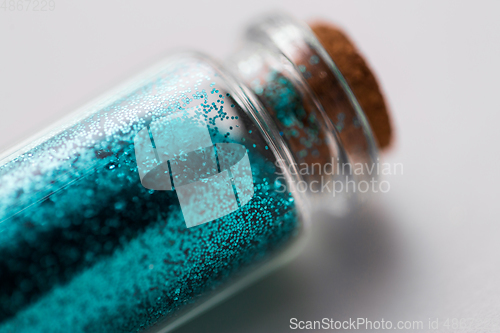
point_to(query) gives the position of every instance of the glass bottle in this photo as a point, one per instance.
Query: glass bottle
(154, 202)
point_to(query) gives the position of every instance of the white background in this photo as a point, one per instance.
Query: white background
(429, 248)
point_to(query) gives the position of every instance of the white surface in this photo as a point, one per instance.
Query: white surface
(428, 248)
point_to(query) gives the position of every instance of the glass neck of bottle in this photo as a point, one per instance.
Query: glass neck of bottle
(317, 114)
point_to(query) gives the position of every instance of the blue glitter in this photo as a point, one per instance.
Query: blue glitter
(314, 60)
(84, 247)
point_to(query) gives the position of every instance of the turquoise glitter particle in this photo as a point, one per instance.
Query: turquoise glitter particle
(314, 60)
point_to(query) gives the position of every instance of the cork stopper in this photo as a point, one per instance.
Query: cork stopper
(360, 78)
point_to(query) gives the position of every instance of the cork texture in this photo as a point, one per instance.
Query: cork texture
(360, 78)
